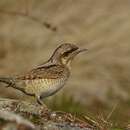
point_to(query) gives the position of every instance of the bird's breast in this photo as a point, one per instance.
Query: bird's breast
(41, 86)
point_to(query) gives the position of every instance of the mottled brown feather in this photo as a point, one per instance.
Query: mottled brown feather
(46, 72)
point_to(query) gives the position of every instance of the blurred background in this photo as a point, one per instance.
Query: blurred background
(30, 30)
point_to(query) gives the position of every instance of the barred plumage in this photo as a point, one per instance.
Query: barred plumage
(44, 87)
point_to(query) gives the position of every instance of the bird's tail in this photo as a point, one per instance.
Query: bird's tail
(11, 82)
(8, 81)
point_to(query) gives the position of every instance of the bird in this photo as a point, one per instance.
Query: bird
(46, 79)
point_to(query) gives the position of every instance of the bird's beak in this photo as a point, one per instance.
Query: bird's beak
(81, 50)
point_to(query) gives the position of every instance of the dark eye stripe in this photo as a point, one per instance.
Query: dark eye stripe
(68, 52)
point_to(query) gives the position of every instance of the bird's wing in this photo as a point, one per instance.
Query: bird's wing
(51, 72)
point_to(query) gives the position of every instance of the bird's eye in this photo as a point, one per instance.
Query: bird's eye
(66, 54)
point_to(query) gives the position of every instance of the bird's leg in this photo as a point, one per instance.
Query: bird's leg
(39, 101)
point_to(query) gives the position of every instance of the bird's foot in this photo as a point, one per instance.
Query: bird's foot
(39, 101)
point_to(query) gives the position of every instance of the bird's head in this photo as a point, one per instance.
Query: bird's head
(65, 53)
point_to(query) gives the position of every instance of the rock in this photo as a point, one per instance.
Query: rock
(42, 118)
(11, 121)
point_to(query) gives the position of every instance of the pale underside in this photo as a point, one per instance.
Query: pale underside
(44, 87)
